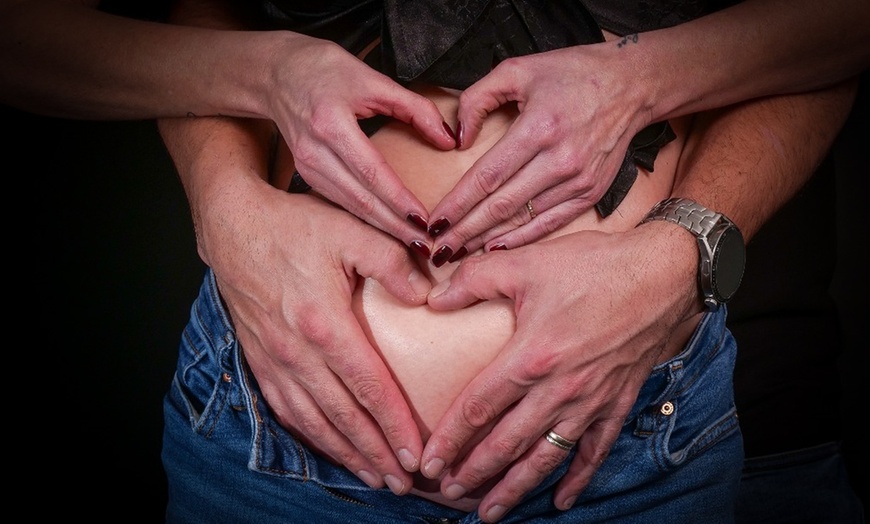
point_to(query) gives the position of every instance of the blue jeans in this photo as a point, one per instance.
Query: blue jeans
(228, 460)
(808, 485)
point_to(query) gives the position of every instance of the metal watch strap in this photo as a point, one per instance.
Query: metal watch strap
(716, 234)
(687, 213)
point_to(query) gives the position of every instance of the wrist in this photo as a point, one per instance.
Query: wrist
(720, 245)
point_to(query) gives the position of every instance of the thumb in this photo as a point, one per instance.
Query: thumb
(482, 98)
(482, 277)
(386, 260)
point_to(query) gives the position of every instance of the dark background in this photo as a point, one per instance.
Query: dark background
(118, 274)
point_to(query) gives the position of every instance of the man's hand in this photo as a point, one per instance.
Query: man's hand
(286, 266)
(594, 311)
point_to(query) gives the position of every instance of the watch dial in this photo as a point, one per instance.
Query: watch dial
(730, 262)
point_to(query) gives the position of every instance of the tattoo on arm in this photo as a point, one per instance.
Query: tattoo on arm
(628, 38)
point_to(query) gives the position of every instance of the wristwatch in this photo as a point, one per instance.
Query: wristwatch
(723, 253)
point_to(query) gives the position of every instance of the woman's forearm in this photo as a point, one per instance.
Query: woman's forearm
(67, 60)
(755, 48)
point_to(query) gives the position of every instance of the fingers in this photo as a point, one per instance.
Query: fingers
(387, 261)
(486, 95)
(534, 220)
(314, 428)
(372, 191)
(478, 278)
(539, 462)
(592, 450)
(364, 374)
(485, 398)
(421, 113)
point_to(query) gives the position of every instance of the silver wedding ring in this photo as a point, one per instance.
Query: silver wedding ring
(560, 441)
(531, 209)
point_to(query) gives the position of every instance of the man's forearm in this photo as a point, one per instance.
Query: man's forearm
(747, 160)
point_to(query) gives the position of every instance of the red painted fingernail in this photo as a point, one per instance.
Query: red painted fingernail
(459, 254)
(498, 247)
(442, 255)
(450, 132)
(421, 248)
(418, 221)
(438, 227)
(459, 134)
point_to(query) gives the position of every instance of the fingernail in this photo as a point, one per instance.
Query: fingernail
(438, 227)
(459, 254)
(408, 460)
(450, 132)
(454, 491)
(442, 256)
(395, 484)
(434, 467)
(569, 503)
(459, 134)
(418, 221)
(421, 248)
(498, 247)
(369, 478)
(495, 513)
(437, 290)
(421, 286)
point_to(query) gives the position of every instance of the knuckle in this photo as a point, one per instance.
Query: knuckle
(539, 365)
(542, 464)
(313, 329)
(478, 411)
(346, 456)
(488, 179)
(367, 175)
(364, 205)
(501, 209)
(510, 448)
(370, 393)
(345, 418)
(546, 126)
(475, 475)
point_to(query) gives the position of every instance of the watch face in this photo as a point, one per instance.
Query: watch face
(728, 265)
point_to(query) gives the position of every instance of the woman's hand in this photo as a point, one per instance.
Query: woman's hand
(576, 120)
(316, 101)
(594, 311)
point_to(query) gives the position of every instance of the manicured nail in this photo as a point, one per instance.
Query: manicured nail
(434, 467)
(498, 247)
(450, 132)
(369, 478)
(454, 491)
(459, 134)
(418, 221)
(442, 256)
(438, 227)
(421, 248)
(495, 513)
(395, 484)
(459, 254)
(408, 460)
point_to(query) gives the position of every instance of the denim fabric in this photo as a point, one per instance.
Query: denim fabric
(809, 485)
(227, 459)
